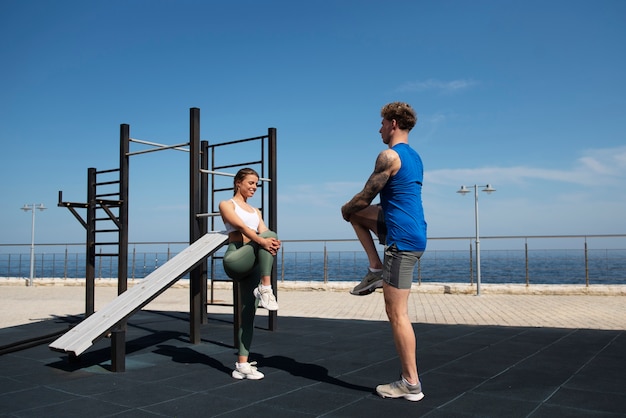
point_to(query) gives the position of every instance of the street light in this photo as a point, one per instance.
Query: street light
(32, 208)
(464, 190)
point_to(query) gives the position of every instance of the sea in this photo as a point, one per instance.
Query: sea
(551, 266)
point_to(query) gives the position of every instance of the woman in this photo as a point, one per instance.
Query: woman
(249, 259)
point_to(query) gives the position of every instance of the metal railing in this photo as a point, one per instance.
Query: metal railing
(569, 259)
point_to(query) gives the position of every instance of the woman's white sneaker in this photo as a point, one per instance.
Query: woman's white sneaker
(247, 371)
(266, 298)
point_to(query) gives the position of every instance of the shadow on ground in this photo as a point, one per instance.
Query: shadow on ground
(317, 367)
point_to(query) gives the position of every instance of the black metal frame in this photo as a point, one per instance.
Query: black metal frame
(268, 207)
(198, 226)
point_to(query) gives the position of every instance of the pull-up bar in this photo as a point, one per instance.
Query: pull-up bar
(159, 147)
(221, 173)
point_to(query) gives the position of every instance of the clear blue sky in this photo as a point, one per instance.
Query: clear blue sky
(529, 96)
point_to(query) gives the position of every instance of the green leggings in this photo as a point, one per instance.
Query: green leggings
(247, 263)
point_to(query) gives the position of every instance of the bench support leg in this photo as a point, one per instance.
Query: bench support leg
(118, 349)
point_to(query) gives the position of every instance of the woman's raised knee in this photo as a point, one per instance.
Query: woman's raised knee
(268, 234)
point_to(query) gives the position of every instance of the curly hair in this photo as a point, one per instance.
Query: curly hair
(241, 174)
(403, 114)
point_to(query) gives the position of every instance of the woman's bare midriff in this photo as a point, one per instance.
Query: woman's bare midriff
(237, 236)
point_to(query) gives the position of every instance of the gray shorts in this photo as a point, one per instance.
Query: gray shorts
(398, 267)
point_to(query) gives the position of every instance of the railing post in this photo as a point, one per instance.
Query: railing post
(65, 264)
(99, 262)
(282, 263)
(471, 266)
(586, 265)
(132, 263)
(526, 262)
(325, 264)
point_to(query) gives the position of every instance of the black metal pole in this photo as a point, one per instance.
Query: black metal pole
(204, 208)
(118, 335)
(195, 276)
(90, 264)
(122, 265)
(273, 214)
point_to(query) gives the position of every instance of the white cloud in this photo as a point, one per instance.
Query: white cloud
(437, 85)
(587, 197)
(606, 161)
(596, 167)
(599, 167)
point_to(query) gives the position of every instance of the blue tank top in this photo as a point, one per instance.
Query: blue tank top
(401, 200)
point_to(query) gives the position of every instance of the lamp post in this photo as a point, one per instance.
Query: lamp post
(464, 190)
(32, 208)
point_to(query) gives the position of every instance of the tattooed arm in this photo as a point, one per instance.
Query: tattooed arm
(387, 165)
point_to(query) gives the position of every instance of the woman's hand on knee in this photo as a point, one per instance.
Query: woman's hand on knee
(271, 245)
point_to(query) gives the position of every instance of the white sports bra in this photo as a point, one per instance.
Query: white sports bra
(250, 219)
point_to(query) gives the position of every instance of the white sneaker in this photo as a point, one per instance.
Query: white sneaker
(247, 371)
(401, 389)
(266, 298)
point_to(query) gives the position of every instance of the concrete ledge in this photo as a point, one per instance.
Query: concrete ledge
(431, 288)
(461, 288)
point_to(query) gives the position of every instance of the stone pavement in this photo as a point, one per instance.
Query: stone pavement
(554, 306)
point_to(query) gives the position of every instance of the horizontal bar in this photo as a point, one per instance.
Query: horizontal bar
(220, 173)
(238, 141)
(207, 215)
(109, 202)
(113, 170)
(247, 164)
(159, 147)
(104, 183)
(73, 204)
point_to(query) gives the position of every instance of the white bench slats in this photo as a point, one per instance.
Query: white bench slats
(83, 335)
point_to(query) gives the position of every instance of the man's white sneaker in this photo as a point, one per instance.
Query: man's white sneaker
(401, 389)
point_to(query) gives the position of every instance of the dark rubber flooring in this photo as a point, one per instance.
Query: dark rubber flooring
(314, 368)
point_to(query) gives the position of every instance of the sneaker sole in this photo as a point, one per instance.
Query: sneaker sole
(241, 376)
(413, 397)
(368, 290)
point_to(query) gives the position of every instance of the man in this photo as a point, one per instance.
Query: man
(399, 224)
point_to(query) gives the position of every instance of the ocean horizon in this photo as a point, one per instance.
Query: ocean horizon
(571, 266)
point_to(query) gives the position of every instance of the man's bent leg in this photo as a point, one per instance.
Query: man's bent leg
(363, 222)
